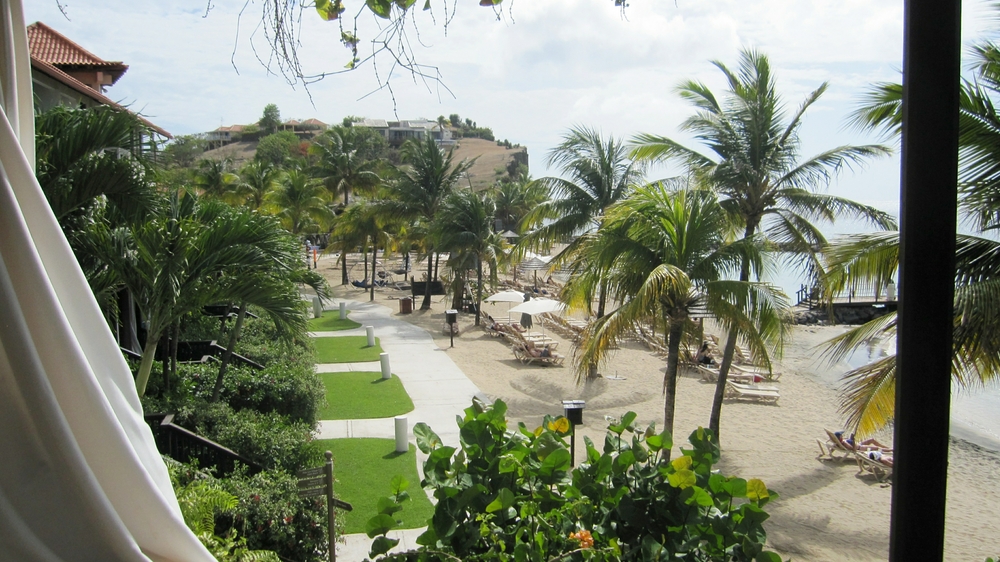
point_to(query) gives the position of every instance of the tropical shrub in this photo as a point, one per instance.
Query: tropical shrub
(293, 391)
(268, 439)
(201, 500)
(265, 513)
(271, 516)
(514, 496)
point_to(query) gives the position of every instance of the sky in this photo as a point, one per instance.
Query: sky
(530, 71)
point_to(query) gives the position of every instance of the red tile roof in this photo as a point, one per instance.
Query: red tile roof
(91, 93)
(48, 45)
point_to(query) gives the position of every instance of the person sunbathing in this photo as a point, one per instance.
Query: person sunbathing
(536, 352)
(871, 444)
(880, 457)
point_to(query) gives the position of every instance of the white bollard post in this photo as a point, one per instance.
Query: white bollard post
(343, 311)
(402, 444)
(370, 330)
(384, 359)
(317, 307)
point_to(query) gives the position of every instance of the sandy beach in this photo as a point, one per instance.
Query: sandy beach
(826, 510)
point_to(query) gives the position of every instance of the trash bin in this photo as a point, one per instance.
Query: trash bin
(405, 305)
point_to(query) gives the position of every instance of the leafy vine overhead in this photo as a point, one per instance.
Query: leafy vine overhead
(280, 19)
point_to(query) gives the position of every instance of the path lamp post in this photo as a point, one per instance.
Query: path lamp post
(573, 410)
(451, 317)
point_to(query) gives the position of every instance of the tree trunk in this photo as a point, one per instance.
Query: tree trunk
(371, 297)
(727, 355)
(146, 365)
(670, 377)
(343, 266)
(174, 343)
(426, 305)
(458, 290)
(227, 356)
(437, 260)
(364, 258)
(479, 288)
(165, 363)
(602, 299)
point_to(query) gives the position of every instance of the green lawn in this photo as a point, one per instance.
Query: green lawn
(363, 469)
(347, 349)
(331, 322)
(357, 395)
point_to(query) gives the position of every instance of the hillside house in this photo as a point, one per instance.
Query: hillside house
(398, 132)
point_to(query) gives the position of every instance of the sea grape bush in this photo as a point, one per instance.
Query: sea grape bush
(512, 495)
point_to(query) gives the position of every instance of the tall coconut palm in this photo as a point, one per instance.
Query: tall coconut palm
(599, 173)
(347, 160)
(664, 252)
(364, 223)
(300, 202)
(464, 227)
(215, 179)
(515, 199)
(757, 170)
(257, 179)
(429, 177)
(865, 262)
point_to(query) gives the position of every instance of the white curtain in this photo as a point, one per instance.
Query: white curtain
(80, 477)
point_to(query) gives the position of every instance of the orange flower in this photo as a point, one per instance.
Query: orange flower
(584, 537)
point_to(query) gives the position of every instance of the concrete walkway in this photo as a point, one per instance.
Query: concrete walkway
(438, 388)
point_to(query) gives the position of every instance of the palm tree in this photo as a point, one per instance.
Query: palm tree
(89, 154)
(863, 262)
(202, 253)
(600, 173)
(420, 191)
(215, 179)
(300, 202)
(257, 179)
(757, 171)
(362, 222)
(348, 160)
(465, 229)
(869, 260)
(515, 199)
(663, 252)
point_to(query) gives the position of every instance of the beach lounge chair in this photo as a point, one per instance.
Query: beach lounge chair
(737, 391)
(525, 354)
(752, 370)
(711, 374)
(882, 472)
(707, 373)
(834, 445)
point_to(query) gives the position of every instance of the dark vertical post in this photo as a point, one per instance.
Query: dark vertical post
(931, 66)
(331, 516)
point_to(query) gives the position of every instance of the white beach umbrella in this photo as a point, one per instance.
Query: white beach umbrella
(539, 306)
(506, 296)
